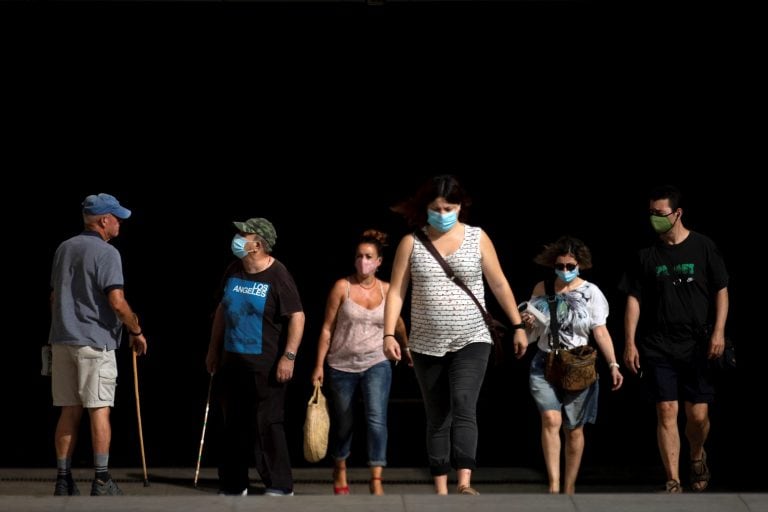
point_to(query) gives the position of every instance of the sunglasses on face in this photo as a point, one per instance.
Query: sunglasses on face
(563, 266)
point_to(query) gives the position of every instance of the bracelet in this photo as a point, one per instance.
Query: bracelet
(135, 333)
(387, 335)
(613, 365)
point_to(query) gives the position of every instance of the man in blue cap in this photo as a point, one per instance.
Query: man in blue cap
(88, 311)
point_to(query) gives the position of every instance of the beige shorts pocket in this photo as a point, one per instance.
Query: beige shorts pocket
(107, 384)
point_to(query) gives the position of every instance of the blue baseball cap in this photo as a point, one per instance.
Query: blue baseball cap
(102, 204)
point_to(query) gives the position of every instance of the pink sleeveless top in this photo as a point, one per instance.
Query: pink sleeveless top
(357, 342)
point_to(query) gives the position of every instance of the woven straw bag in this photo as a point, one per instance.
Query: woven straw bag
(316, 427)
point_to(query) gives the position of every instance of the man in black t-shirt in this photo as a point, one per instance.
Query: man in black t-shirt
(681, 286)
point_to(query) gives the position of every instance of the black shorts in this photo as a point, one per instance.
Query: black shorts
(669, 380)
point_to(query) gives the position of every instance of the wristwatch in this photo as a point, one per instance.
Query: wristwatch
(521, 325)
(290, 355)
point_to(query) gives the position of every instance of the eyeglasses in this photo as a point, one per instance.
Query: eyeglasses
(118, 219)
(563, 266)
(657, 213)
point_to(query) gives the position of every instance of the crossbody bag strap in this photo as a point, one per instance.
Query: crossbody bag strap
(554, 323)
(449, 272)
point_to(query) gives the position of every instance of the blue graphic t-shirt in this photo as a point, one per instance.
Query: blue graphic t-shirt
(256, 312)
(244, 301)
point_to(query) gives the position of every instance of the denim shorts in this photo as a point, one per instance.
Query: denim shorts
(578, 408)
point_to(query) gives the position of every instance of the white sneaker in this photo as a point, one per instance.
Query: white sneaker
(243, 493)
(277, 492)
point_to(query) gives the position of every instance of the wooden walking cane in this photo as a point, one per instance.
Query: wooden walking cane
(138, 416)
(202, 437)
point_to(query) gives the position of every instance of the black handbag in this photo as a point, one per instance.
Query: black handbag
(726, 362)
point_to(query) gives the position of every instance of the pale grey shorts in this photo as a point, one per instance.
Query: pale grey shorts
(84, 376)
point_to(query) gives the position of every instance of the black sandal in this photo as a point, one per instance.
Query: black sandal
(700, 473)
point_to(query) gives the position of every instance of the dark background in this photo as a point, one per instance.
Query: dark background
(176, 245)
(557, 116)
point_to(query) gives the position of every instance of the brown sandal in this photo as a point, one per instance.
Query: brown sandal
(468, 491)
(700, 473)
(673, 487)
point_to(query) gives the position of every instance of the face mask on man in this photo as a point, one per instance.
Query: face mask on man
(661, 223)
(567, 275)
(442, 221)
(238, 246)
(366, 267)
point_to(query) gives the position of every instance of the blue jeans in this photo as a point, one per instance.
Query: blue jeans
(450, 386)
(375, 383)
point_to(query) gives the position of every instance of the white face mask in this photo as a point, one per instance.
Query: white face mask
(365, 266)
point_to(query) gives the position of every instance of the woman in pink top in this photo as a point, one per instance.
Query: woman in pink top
(350, 344)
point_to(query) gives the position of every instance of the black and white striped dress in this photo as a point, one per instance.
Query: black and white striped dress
(443, 317)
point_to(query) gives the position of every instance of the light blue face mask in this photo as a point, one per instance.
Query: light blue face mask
(442, 221)
(567, 275)
(238, 246)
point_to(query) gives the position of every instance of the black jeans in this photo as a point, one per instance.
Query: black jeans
(253, 404)
(450, 386)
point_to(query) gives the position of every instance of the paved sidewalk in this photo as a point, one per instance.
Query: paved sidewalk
(308, 481)
(407, 490)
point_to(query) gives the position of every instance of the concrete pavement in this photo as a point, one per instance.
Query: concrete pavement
(407, 490)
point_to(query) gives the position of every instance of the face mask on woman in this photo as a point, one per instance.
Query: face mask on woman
(238, 246)
(366, 267)
(567, 275)
(442, 221)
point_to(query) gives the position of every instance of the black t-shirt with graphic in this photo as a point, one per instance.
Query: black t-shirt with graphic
(256, 311)
(676, 286)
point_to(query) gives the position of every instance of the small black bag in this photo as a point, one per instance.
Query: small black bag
(726, 362)
(498, 329)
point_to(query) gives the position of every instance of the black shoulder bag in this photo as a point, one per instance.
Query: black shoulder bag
(496, 328)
